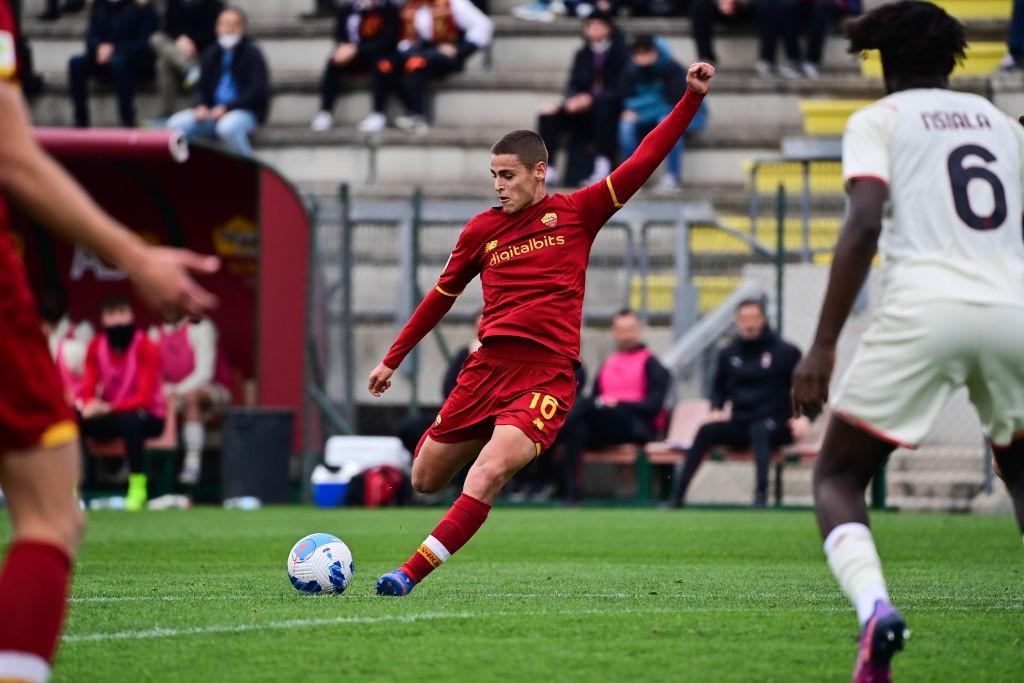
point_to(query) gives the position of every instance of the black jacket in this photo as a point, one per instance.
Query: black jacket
(584, 78)
(644, 412)
(250, 72)
(757, 377)
(126, 24)
(196, 19)
(378, 27)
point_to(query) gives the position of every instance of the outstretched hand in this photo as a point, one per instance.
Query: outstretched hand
(698, 77)
(811, 379)
(163, 278)
(380, 379)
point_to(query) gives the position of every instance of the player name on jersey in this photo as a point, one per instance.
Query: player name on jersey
(954, 120)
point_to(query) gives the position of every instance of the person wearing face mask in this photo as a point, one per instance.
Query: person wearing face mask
(187, 31)
(754, 375)
(116, 50)
(588, 112)
(121, 395)
(232, 98)
(650, 87)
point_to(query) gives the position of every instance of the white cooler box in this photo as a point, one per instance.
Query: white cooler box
(352, 455)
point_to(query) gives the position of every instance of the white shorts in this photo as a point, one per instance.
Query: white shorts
(913, 358)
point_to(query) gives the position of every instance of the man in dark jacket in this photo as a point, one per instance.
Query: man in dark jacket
(232, 97)
(117, 50)
(364, 32)
(589, 111)
(188, 31)
(755, 375)
(628, 396)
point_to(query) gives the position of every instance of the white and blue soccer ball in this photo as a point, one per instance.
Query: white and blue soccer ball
(320, 563)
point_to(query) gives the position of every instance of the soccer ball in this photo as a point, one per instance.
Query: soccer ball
(320, 563)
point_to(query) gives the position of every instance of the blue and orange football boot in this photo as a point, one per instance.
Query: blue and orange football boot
(883, 636)
(396, 584)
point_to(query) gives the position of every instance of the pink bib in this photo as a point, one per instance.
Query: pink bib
(623, 376)
(120, 375)
(176, 354)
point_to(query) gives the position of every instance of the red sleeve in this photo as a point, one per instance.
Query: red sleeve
(596, 203)
(149, 375)
(461, 268)
(90, 371)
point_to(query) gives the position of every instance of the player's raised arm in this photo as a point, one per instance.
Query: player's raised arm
(601, 199)
(39, 185)
(458, 272)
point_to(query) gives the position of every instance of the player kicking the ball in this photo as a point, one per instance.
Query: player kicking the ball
(513, 393)
(39, 452)
(951, 313)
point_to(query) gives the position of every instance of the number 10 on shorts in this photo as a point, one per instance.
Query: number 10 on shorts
(548, 404)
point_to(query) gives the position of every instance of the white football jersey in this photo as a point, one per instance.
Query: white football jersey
(954, 166)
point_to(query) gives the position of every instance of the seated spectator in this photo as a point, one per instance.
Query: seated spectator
(590, 107)
(54, 8)
(754, 374)
(188, 31)
(650, 88)
(786, 18)
(193, 375)
(1014, 40)
(116, 50)
(436, 37)
(68, 341)
(365, 31)
(121, 395)
(628, 396)
(232, 98)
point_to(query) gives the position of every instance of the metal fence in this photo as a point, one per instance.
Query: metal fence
(676, 263)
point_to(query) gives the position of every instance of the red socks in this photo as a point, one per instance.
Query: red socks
(33, 599)
(463, 520)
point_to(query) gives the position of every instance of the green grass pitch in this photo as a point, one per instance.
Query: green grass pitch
(539, 595)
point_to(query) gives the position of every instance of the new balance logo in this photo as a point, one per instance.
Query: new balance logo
(490, 246)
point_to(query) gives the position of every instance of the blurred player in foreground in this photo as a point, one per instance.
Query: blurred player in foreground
(951, 313)
(39, 449)
(513, 394)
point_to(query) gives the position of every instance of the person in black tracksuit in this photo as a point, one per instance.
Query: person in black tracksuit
(754, 374)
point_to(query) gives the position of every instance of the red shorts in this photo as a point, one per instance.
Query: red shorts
(508, 382)
(32, 408)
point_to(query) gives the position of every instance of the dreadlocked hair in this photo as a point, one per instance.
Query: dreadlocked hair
(915, 38)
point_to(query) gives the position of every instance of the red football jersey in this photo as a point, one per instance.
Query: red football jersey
(533, 263)
(532, 267)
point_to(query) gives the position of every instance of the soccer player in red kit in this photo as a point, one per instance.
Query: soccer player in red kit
(39, 450)
(513, 394)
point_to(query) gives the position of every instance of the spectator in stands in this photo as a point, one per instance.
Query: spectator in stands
(590, 108)
(121, 395)
(650, 88)
(754, 375)
(436, 37)
(1014, 40)
(193, 375)
(365, 31)
(628, 397)
(188, 30)
(117, 50)
(54, 8)
(68, 340)
(233, 97)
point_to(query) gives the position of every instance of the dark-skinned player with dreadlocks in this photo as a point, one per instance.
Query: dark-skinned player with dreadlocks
(945, 170)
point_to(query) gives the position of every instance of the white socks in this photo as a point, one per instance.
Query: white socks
(855, 563)
(22, 666)
(194, 435)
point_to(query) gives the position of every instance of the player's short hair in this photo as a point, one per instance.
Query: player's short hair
(914, 38)
(753, 301)
(525, 144)
(114, 302)
(644, 42)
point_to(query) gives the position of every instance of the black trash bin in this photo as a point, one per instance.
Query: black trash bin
(257, 450)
